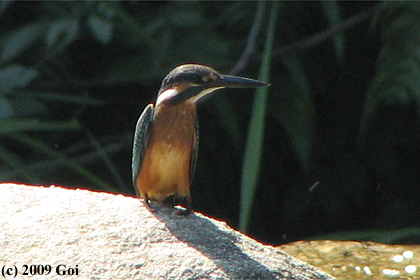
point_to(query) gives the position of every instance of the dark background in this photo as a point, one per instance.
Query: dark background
(341, 155)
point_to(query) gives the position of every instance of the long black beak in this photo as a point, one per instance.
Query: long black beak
(195, 93)
(237, 82)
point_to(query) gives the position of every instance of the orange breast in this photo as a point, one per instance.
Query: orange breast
(166, 166)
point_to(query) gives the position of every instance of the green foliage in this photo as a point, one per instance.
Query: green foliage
(101, 28)
(24, 110)
(14, 125)
(397, 79)
(38, 145)
(254, 147)
(16, 76)
(294, 108)
(19, 41)
(229, 119)
(332, 12)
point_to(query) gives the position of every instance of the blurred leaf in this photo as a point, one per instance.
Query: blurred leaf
(20, 40)
(61, 33)
(4, 5)
(135, 67)
(15, 125)
(6, 108)
(55, 96)
(16, 164)
(397, 79)
(101, 29)
(188, 15)
(207, 51)
(228, 117)
(108, 162)
(26, 107)
(333, 14)
(254, 146)
(185, 30)
(295, 109)
(130, 24)
(45, 149)
(16, 76)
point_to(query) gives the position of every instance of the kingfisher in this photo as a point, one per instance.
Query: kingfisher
(165, 143)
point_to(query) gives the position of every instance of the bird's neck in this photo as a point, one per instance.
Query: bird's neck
(175, 121)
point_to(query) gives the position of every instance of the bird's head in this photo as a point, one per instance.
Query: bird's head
(191, 82)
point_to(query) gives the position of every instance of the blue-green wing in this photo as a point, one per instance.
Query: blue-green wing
(194, 152)
(141, 139)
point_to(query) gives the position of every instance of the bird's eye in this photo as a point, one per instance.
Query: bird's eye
(209, 78)
(205, 79)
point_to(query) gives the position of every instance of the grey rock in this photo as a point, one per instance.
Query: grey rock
(108, 236)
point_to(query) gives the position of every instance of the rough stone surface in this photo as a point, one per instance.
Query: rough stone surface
(108, 236)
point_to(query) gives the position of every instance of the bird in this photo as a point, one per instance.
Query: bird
(165, 144)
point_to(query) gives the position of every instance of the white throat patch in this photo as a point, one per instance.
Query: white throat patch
(167, 94)
(171, 92)
(197, 97)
